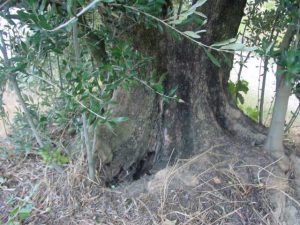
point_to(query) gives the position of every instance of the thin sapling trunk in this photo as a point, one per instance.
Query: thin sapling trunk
(89, 150)
(13, 79)
(16, 87)
(274, 142)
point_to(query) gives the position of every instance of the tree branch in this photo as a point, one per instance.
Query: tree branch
(13, 79)
(89, 150)
(4, 3)
(75, 18)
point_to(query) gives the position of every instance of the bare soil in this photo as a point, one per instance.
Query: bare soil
(226, 184)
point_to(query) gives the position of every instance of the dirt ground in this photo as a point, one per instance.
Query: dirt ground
(226, 184)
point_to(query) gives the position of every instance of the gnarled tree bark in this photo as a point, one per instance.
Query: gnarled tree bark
(158, 130)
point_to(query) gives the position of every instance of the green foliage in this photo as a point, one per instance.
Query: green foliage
(236, 90)
(186, 15)
(55, 156)
(290, 64)
(264, 26)
(212, 58)
(231, 44)
(21, 208)
(22, 134)
(250, 112)
(83, 84)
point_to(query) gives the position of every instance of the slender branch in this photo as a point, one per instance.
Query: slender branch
(287, 39)
(75, 18)
(242, 63)
(292, 120)
(94, 139)
(270, 109)
(148, 86)
(89, 150)
(179, 8)
(13, 79)
(25, 109)
(76, 43)
(67, 93)
(95, 2)
(4, 3)
(242, 59)
(59, 72)
(172, 28)
(60, 87)
(4, 49)
(266, 64)
(263, 88)
(82, 142)
(50, 65)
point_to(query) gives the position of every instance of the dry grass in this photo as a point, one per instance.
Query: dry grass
(210, 188)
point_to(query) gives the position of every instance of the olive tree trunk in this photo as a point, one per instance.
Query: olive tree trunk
(158, 130)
